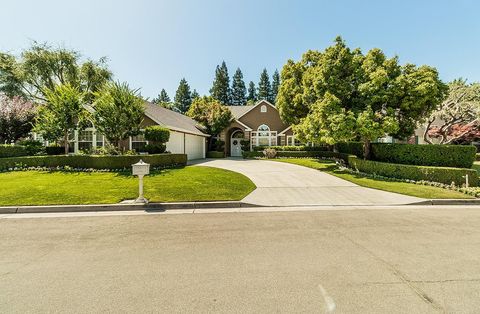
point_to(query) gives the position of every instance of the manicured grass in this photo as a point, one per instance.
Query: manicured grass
(172, 185)
(411, 189)
(476, 166)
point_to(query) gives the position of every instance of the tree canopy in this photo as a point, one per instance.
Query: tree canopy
(341, 94)
(162, 97)
(252, 93)
(264, 86)
(16, 118)
(221, 85)
(239, 91)
(183, 97)
(42, 67)
(275, 85)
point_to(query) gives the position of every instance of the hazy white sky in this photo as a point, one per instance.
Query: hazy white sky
(153, 44)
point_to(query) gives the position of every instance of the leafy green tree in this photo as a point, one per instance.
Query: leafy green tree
(264, 87)
(183, 97)
(252, 92)
(62, 113)
(211, 114)
(162, 97)
(41, 68)
(275, 85)
(239, 90)
(16, 118)
(341, 94)
(221, 85)
(195, 94)
(118, 112)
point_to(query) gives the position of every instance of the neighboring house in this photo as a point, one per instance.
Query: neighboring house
(186, 136)
(260, 124)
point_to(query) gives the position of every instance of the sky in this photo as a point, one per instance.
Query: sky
(153, 44)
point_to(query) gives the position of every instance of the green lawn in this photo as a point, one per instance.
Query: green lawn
(422, 191)
(476, 166)
(172, 185)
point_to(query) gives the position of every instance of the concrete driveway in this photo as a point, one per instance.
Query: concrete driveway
(282, 184)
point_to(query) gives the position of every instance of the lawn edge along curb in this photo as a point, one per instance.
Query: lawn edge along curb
(121, 207)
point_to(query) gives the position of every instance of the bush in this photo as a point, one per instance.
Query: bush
(12, 151)
(269, 153)
(55, 150)
(477, 156)
(219, 145)
(300, 154)
(33, 147)
(155, 148)
(290, 148)
(94, 162)
(245, 145)
(351, 148)
(215, 154)
(157, 134)
(413, 172)
(458, 156)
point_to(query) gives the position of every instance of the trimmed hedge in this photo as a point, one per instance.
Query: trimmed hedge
(55, 150)
(214, 154)
(351, 148)
(412, 172)
(458, 156)
(12, 151)
(300, 154)
(94, 162)
(292, 148)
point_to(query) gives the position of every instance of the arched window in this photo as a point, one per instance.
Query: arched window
(263, 127)
(263, 108)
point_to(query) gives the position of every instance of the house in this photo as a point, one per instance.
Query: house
(186, 136)
(260, 124)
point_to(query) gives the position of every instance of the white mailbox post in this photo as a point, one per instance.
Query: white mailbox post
(140, 169)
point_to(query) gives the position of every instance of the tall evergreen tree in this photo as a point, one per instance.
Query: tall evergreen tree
(239, 91)
(183, 97)
(275, 85)
(221, 85)
(264, 87)
(162, 97)
(195, 94)
(252, 92)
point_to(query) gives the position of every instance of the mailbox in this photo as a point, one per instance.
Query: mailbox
(141, 168)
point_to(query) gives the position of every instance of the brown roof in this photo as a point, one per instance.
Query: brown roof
(172, 120)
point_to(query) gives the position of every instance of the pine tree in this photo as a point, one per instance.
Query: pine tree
(275, 86)
(183, 97)
(252, 92)
(162, 97)
(195, 94)
(264, 87)
(221, 85)
(239, 90)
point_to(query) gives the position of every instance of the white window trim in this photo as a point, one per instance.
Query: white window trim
(131, 141)
(270, 135)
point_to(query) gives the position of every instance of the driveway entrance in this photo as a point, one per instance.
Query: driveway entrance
(282, 184)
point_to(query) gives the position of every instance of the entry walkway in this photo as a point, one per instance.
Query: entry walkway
(283, 184)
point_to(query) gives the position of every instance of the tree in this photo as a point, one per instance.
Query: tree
(62, 113)
(275, 85)
(341, 94)
(211, 114)
(195, 94)
(162, 97)
(16, 118)
(457, 116)
(221, 85)
(264, 87)
(42, 68)
(252, 93)
(118, 112)
(239, 90)
(183, 97)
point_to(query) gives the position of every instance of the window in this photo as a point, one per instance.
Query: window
(264, 137)
(292, 141)
(263, 108)
(100, 140)
(138, 143)
(85, 140)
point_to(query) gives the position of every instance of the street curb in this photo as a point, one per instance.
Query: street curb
(448, 202)
(122, 207)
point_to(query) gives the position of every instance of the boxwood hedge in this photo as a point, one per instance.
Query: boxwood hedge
(292, 148)
(12, 151)
(300, 154)
(414, 172)
(351, 148)
(214, 154)
(94, 162)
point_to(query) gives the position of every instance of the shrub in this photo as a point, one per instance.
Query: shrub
(155, 148)
(290, 148)
(414, 172)
(215, 154)
(351, 148)
(477, 156)
(459, 156)
(157, 134)
(93, 162)
(219, 145)
(269, 153)
(55, 150)
(12, 151)
(245, 145)
(33, 147)
(299, 154)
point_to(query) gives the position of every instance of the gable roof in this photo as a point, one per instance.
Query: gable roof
(173, 120)
(240, 111)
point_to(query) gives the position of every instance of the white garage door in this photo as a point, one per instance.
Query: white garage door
(194, 145)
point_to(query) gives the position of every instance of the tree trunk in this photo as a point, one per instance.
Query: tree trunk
(210, 143)
(367, 145)
(65, 141)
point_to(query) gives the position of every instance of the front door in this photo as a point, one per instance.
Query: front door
(236, 147)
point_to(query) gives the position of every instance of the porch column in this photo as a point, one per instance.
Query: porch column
(75, 143)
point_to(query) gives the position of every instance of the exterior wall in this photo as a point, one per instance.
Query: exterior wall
(182, 143)
(254, 118)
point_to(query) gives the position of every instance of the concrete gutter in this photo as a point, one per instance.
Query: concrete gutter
(121, 207)
(475, 201)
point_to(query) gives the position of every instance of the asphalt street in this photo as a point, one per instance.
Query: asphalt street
(382, 260)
